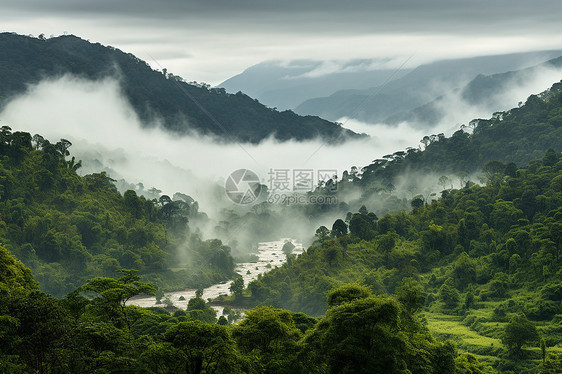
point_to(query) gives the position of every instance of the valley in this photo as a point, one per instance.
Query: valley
(342, 204)
(269, 255)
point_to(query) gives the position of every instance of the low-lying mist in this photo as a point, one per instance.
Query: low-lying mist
(107, 135)
(102, 125)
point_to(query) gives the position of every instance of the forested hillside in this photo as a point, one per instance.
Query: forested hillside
(91, 330)
(502, 143)
(485, 257)
(68, 228)
(183, 107)
(480, 263)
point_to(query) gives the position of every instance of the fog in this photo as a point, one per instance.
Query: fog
(512, 92)
(103, 127)
(108, 135)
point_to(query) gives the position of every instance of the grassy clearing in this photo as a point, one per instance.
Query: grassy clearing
(451, 327)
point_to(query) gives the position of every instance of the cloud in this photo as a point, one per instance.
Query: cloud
(106, 131)
(108, 135)
(456, 110)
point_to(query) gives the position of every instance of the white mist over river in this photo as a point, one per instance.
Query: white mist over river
(270, 255)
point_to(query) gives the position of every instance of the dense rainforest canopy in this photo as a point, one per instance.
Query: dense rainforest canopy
(92, 330)
(481, 263)
(485, 259)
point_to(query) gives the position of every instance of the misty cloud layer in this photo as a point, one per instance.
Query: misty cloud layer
(103, 127)
(323, 68)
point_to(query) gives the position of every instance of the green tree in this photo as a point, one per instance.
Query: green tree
(366, 335)
(205, 348)
(322, 234)
(43, 330)
(494, 172)
(112, 294)
(132, 203)
(339, 229)
(363, 224)
(198, 310)
(386, 242)
(271, 338)
(504, 214)
(346, 294)
(468, 364)
(237, 286)
(519, 332)
(417, 202)
(448, 294)
(411, 295)
(464, 271)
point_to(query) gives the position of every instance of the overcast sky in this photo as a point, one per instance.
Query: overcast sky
(212, 40)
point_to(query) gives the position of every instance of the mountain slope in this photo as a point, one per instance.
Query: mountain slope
(489, 92)
(182, 107)
(508, 140)
(479, 262)
(417, 88)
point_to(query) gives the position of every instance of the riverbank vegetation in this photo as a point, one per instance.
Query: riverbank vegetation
(93, 330)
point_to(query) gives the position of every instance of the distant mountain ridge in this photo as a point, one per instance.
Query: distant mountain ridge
(421, 86)
(182, 108)
(287, 84)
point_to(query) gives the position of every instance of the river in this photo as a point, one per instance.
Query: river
(270, 256)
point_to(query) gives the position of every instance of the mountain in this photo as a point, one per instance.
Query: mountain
(422, 85)
(488, 92)
(183, 108)
(516, 153)
(481, 265)
(287, 84)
